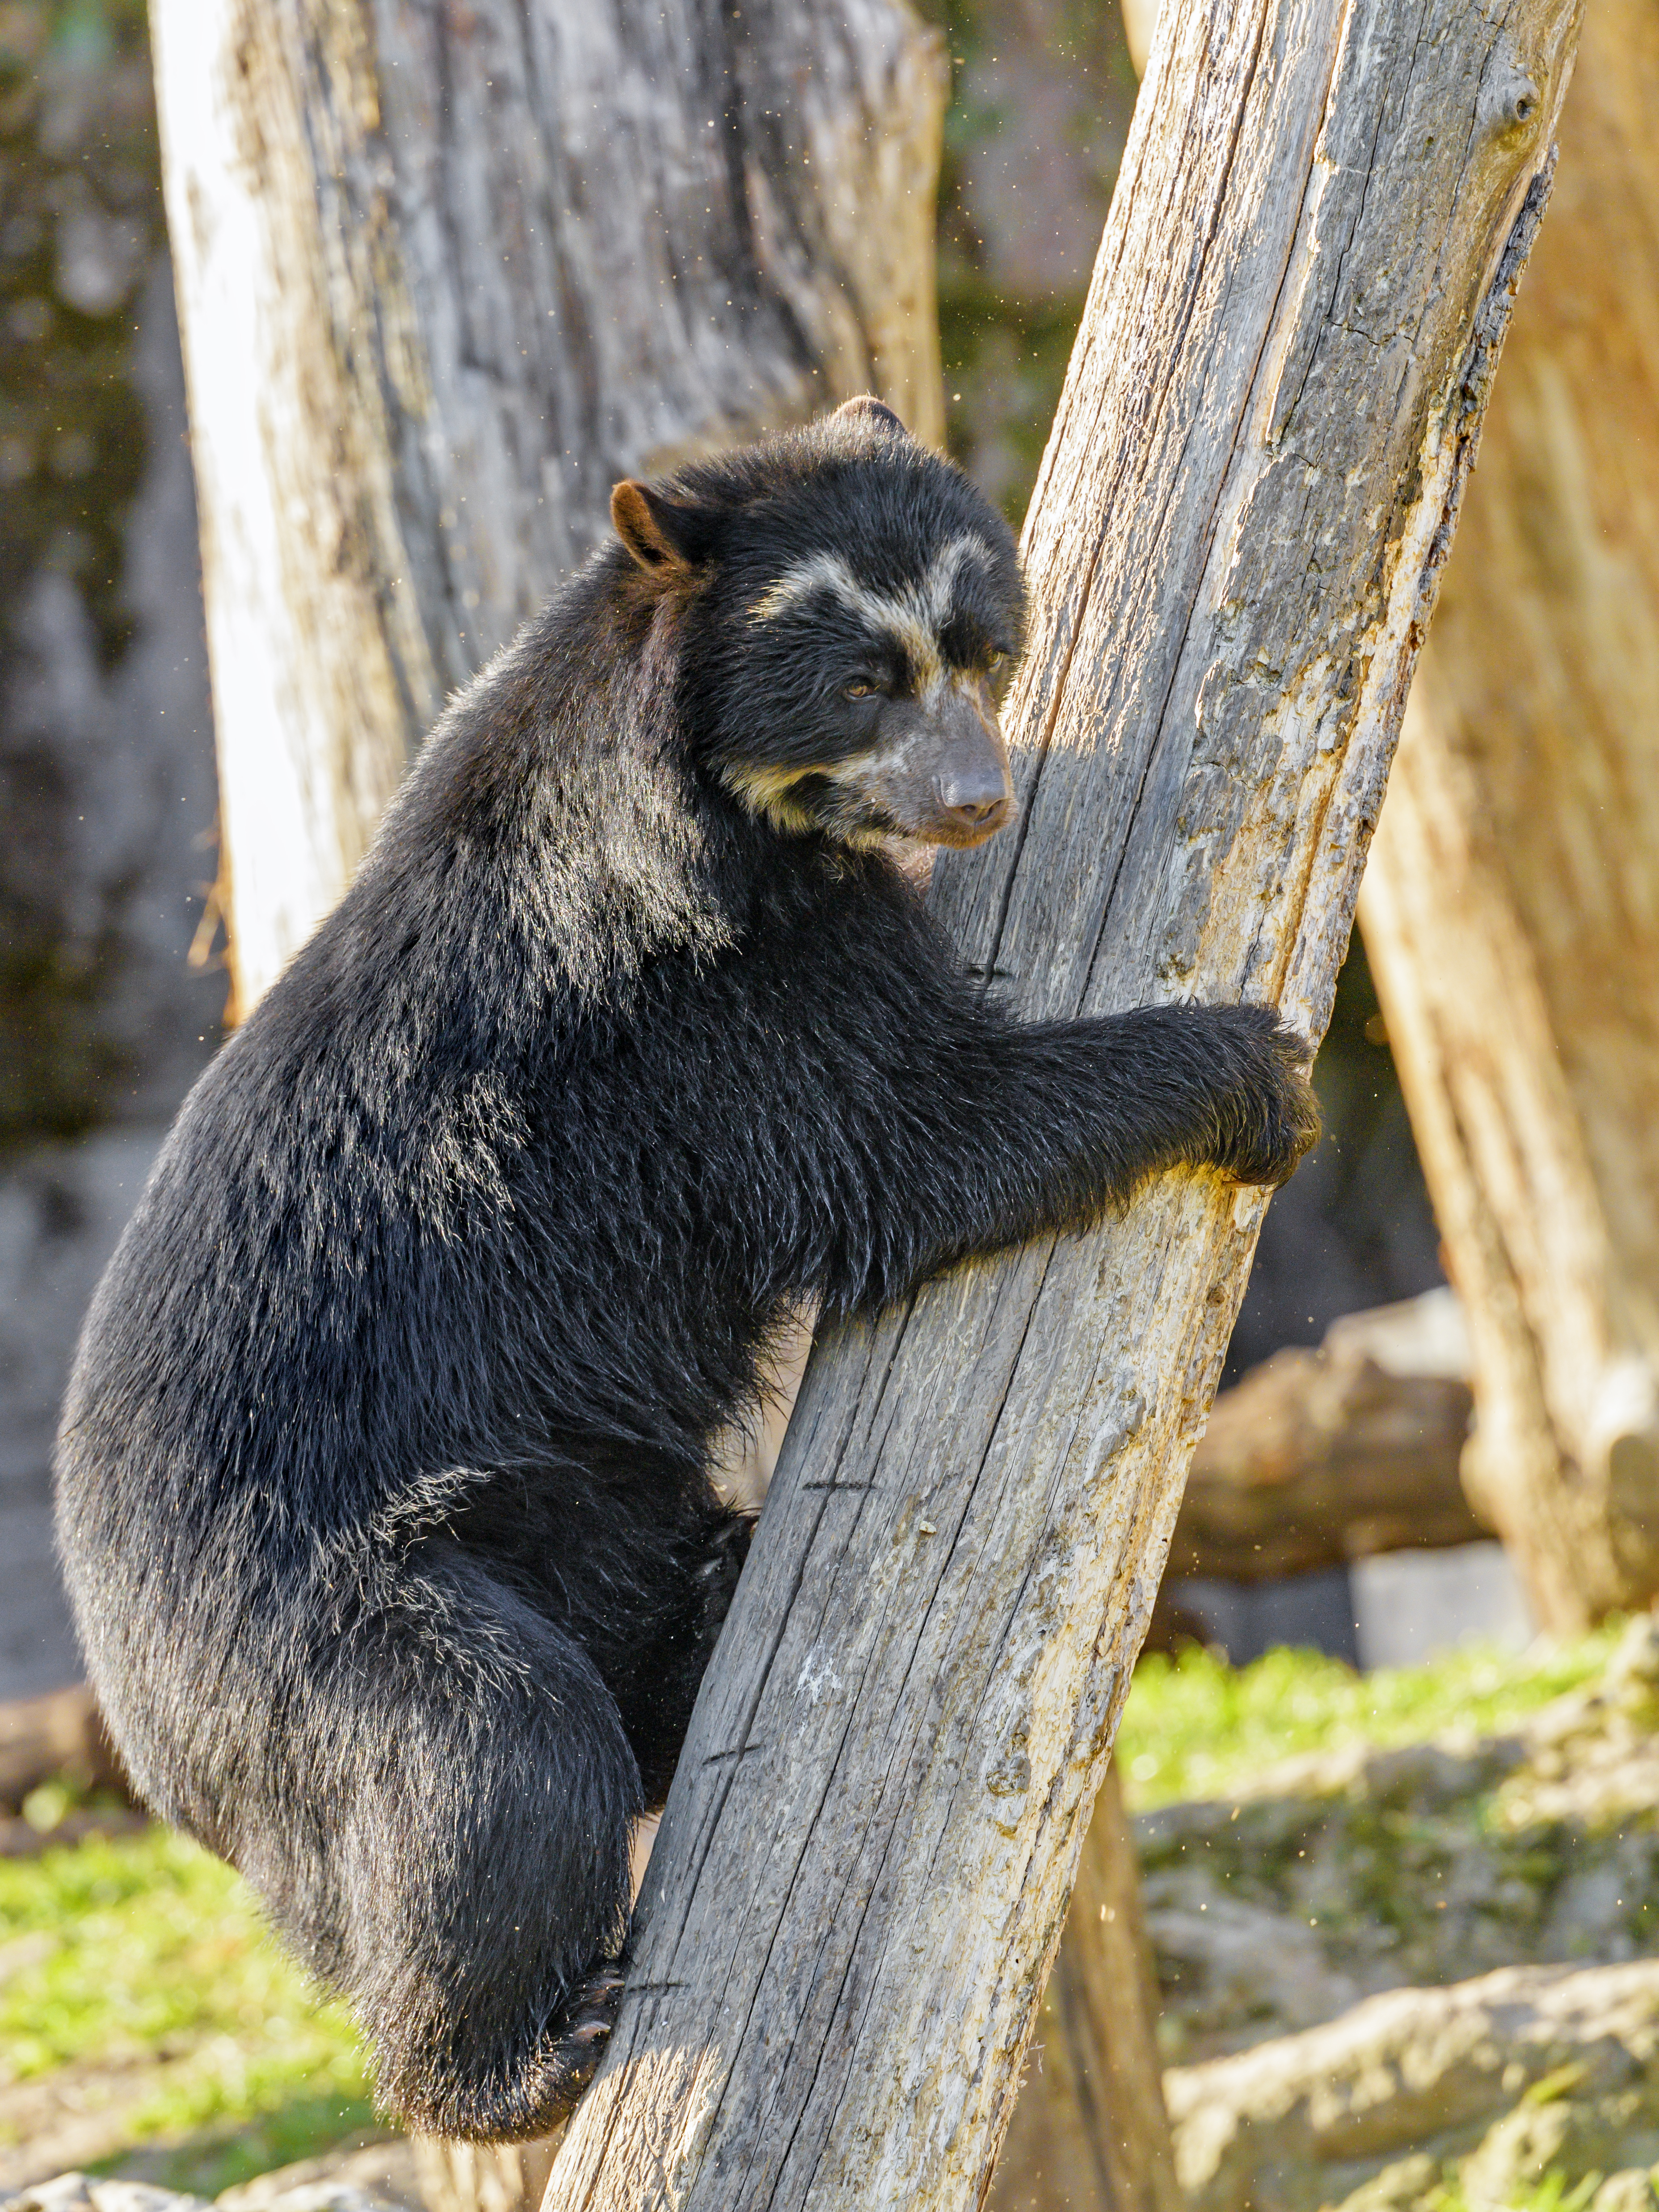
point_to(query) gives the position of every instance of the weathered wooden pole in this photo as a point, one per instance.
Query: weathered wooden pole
(1252, 482)
(446, 273)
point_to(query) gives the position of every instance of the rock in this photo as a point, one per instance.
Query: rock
(77, 2192)
(1418, 2071)
(1632, 2190)
(106, 774)
(1402, 2187)
(62, 1208)
(1554, 2129)
(377, 2177)
(359, 2177)
(1225, 1968)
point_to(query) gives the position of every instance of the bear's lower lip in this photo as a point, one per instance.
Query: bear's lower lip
(957, 836)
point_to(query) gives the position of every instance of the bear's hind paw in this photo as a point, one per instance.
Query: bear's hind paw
(523, 2098)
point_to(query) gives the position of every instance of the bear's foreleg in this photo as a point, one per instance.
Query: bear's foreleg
(991, 1133)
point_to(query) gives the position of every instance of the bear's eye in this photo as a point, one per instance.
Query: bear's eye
(861, 687)
(996, 662)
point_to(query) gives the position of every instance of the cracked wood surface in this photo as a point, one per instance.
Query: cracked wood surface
(446, 273)
(863, 1870)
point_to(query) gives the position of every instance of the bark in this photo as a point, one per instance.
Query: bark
(445, 274)
(1511, 911)
(1316, 1458)
(864, 1863)
(1090, 2129)
(473, 2177)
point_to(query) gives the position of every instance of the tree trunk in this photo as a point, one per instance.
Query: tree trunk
(865, 1863)
(1511, 911)
(446, 273)
(474, 2177)
(1089, 2129)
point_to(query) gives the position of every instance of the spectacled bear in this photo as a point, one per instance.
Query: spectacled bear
(383, 1489)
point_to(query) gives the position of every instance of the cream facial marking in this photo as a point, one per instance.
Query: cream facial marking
(885, 779)
(914, 615)
(768, 792)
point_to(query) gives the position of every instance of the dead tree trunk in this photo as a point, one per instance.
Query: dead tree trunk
(445, 275)
(864, 1867)
(1512, 909)
(1089, 2129)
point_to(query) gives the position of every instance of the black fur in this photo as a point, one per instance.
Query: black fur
(382, 1490)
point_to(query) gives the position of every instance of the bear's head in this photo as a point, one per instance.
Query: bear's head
(846, 605)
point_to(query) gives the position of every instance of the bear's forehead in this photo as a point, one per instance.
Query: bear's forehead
(918, 604)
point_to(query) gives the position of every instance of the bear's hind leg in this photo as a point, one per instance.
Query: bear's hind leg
(477, 1797)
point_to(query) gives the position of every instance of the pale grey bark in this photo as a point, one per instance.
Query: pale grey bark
(863, 1870)
(445, 275)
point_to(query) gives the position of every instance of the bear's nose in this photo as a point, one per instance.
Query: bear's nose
(974, 800)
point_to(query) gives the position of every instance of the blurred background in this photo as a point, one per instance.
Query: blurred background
(1438, 1447)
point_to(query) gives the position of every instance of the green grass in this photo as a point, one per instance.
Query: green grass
(142, 1946)
(1195, 1727)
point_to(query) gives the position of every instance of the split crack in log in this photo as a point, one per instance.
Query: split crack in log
(859, 1919)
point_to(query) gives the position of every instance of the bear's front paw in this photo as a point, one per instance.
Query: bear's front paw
(1268, 1116)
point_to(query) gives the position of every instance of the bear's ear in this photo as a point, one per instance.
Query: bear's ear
(660, 533)
(870, 413)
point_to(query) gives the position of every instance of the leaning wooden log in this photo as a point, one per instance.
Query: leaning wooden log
(1321, 1456)
(865, 1859)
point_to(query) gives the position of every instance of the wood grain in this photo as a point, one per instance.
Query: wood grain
(1252, 481)
(1089, 2130)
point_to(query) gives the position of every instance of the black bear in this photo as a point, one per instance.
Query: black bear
(382, 1481)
